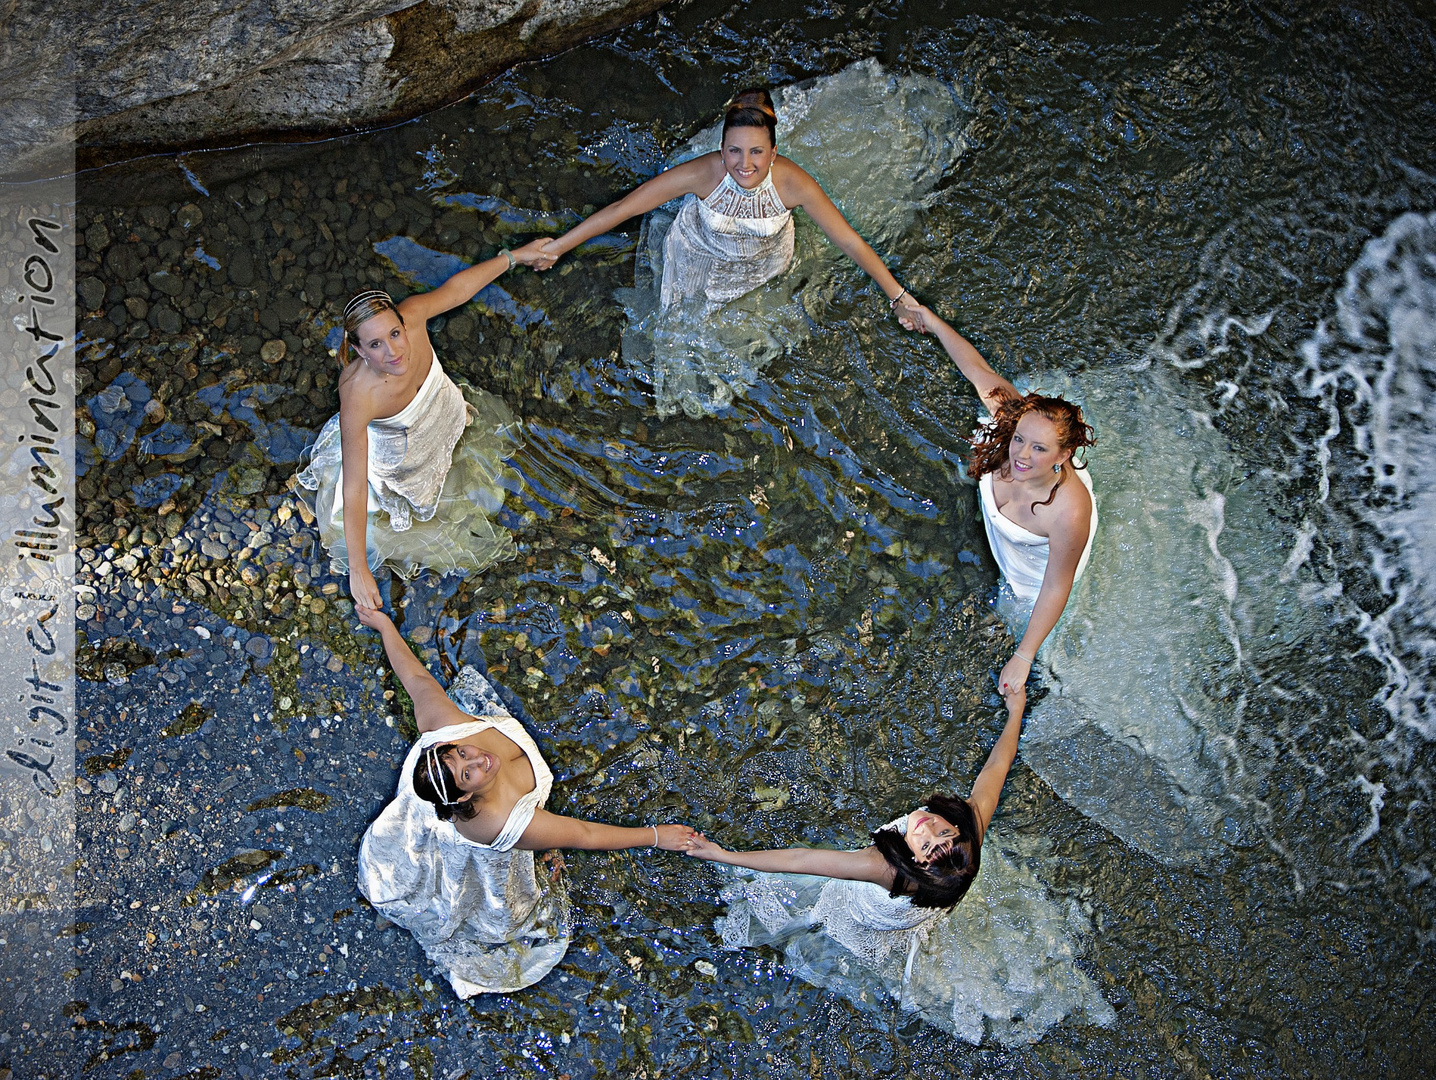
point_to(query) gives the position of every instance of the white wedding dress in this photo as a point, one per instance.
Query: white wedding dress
(698, 320)
(1000, 963)
(485, 915)
(435, 481)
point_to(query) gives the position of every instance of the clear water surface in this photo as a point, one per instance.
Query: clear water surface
(1213, 223)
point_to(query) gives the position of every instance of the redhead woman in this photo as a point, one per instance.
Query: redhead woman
(414, 456)
(1040, 521)
(451, 858)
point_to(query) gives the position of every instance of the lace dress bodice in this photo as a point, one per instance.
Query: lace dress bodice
(726, 244)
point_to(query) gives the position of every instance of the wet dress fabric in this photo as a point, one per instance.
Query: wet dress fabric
(727, 244)
(1022, 555)
(435, 481)
(999, 964)
(724, 285)
(485, 914)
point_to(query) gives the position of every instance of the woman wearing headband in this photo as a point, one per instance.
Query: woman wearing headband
(451, 858)
(1040, 521)
(735, 229)
(402, 430)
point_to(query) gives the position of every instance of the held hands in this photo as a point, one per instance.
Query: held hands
(700, 847)
(372, 617)
(675, 837)
(546, 253)
(363, 588)
(1013, 677)
(533, 255)
(913, 316)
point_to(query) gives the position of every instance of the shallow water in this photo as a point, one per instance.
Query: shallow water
(1213, 224)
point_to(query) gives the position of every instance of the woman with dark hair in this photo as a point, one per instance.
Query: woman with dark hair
(451, 858)
(884, 923)
(402, 426)
(1040, 524)
(925, 860)
(735, 229)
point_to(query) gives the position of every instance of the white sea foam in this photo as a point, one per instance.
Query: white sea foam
(1381, 350)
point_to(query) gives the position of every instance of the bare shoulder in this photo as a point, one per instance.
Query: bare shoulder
(793, 182)
(1072, 508)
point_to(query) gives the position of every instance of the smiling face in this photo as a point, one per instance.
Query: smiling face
(929, 836)
(383, 343)
(1034, 448)
(473, 769)
(748, 155)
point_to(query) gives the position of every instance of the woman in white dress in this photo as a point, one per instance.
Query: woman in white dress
(1039, 524)
(735, 229)
(879, 924)
(451, 858)
(392, 445)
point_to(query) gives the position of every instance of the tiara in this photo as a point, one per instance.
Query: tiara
(366, 297)
(436, 776)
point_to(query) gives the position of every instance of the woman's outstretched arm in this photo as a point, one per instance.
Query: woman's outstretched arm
(466, 284)
(556, 831)
(991, 387)
(805, 192)
(865, 865)
(987, 788)
(696, 176)
(432, 707)
(355, 412)
(1067, 539)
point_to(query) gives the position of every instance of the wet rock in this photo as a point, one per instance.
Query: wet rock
(97, 238)
(91, 290)
(166, 319)
(137, 307)
(241, 268)
(167, 283)
(271, 352)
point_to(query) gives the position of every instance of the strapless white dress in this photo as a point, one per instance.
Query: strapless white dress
(436, 480)
(1000, 963)
(1022, 555)
(485, 915)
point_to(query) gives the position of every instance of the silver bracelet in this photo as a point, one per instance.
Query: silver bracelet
(1023, 655)
(894, 302)
(506, 253)
(655, 834)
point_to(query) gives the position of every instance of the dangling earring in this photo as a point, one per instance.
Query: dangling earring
(1057, 468)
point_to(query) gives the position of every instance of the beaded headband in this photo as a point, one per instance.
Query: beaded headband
(437, 776)
(368, 297)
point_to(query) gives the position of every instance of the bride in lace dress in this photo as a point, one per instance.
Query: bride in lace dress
(416, 454)
(451, 858)
(880, 924)
(733, 232)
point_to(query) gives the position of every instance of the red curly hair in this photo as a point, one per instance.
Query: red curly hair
(989, 448)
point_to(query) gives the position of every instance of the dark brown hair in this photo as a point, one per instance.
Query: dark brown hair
(944, 881)
(989, 448)
(752, 107)
(426, 790)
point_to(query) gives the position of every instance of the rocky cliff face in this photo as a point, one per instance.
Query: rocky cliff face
(122, 79)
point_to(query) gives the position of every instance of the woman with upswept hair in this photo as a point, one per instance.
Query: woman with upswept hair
(735, 228)
(389, 456)
(1040, 521)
